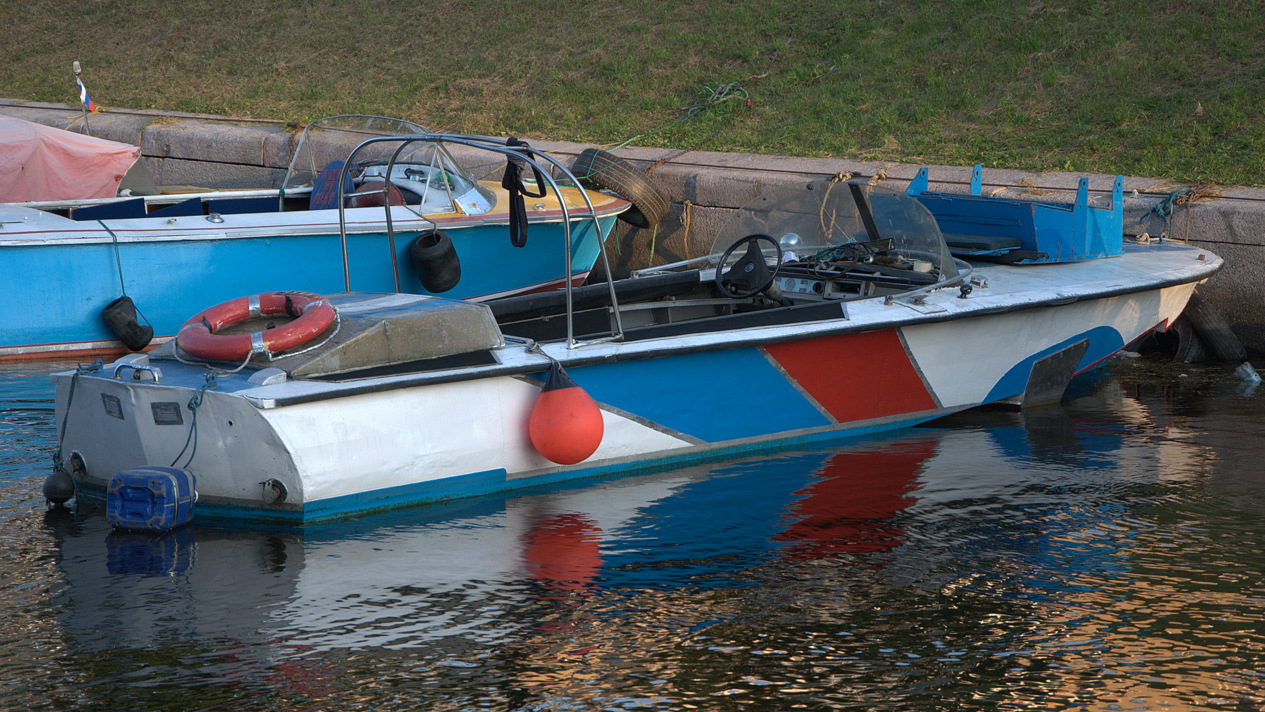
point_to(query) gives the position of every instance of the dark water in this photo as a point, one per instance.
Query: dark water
(1105, 555)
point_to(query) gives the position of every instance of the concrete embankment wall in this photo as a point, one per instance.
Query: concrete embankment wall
(706, 187)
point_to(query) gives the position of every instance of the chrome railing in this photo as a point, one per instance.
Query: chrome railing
(521, 152)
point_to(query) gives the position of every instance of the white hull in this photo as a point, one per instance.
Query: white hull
(366, 444)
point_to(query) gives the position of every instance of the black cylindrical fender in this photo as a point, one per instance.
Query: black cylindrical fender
(435, 260)
(120, 317)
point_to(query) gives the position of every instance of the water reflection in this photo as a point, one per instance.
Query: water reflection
(1100, 555)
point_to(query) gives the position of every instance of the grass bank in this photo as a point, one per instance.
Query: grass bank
(1167, 89)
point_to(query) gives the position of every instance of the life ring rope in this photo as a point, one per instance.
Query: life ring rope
(199, 336)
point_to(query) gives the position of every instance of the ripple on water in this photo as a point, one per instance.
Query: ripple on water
(1104, 554)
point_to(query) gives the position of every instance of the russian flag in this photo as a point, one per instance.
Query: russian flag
(83, 96)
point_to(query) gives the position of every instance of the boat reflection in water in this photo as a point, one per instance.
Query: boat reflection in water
(970, 549)
(702, 526)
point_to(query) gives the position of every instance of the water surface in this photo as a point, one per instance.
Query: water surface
(1105, 554)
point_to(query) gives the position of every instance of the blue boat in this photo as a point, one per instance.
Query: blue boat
(76, 267)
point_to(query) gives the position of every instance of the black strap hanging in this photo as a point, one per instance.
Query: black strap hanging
(512, 181)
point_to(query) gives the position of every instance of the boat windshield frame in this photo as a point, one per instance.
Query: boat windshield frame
(518, 152)
(819, 219)
(334, 138)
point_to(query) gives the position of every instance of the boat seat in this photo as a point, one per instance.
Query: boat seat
(191, 206)
(325, 191)
(982, 244)
(594, 295)
(133, 208)
(238, 206)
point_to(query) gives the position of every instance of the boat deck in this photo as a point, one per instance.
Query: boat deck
(690, 319)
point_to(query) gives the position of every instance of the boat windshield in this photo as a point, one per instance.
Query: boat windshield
(425, 173)
(825, 221)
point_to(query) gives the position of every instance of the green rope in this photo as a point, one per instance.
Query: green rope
(719, 95)
(1164, 209)
(843, 253)
(70, 398)
(193, 405)
(118, 261)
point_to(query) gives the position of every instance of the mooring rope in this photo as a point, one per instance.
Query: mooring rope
(118, 260)
(70, 398)
(719, 95)
(118, 263)
(194, 403)
(722, 93)
(1182, 196)
(732, 91)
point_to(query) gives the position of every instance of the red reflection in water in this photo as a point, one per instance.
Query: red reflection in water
(563, 551)
(848, 510)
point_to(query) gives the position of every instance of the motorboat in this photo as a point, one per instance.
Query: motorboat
(368, 203)
(824, 310)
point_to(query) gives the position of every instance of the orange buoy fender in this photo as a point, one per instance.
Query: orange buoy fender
(565, 424)
(198, 337)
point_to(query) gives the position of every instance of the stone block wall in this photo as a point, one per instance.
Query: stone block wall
(704, 189)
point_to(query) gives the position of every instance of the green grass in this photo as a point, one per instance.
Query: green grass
(1167, 89)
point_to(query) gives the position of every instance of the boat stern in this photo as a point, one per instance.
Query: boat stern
(129, 414)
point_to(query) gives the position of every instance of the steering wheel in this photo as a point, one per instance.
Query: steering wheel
(750, 274)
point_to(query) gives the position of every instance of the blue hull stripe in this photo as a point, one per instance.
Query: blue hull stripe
(1103, 341)
(713, 396)
(472, 485)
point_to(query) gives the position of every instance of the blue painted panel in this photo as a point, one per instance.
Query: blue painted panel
(714, 396)
(134, 208)
(489, 263)
(1065, 233)
(243, 206)
(65, 287)
(168, 281)
(192, 206)
(1103, 341)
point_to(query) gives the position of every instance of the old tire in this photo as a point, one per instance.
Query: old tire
(1213, 330)
(435, 260)
(603, 169)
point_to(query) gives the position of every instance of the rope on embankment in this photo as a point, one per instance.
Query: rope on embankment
(1185, 195)
(733, 91)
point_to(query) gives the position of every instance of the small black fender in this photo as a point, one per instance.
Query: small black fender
(435, 260)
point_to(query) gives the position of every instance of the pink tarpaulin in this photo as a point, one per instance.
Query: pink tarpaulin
(40, 162)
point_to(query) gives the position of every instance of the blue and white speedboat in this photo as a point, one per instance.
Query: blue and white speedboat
(68, 262)
(825, 310)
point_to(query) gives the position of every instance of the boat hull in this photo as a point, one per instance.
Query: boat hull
(179, 270)
(391, 444)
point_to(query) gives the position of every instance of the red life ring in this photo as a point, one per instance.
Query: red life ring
(198, 336)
